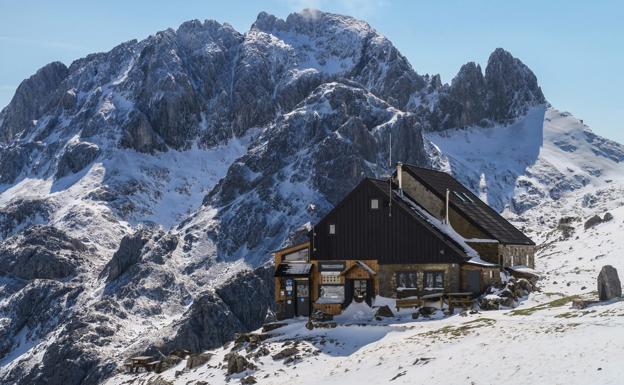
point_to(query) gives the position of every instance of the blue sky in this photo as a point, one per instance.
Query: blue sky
(576, 48)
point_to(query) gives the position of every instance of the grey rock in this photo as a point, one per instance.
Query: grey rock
(237, 363)
(427, 311)
(41, 252)
(593, 221)
(195, 360)
(285, 353)
(609, 285)
(22, 213)
(32, 97)
(512, 87)
(128, 254)
(607, 217)
(76, 157)
(489, 302)
(384, 311)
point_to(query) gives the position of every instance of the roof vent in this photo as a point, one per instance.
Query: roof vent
(399, 171)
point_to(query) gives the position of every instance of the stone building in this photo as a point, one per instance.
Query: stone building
(417, 235)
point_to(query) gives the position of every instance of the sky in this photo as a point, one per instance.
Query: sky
(575, 48)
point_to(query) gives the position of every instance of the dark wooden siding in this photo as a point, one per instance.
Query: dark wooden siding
(365, 233)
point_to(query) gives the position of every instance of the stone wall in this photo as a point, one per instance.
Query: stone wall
(512, 255)
(387, 276)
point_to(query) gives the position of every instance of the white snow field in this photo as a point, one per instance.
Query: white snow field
(543, 341)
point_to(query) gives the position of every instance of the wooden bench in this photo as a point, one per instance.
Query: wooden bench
(410, 302)
(463, 300)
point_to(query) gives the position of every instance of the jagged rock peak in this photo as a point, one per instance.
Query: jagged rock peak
(308, 21)
(31, 98)
(512, 86)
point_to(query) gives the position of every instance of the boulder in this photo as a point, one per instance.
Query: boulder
(195, 360)
(320, 316)
(237, 363)
(248, 380)
(609, 285)
(607, 217)
(287, 352)
(593, 221)
(427, 311)
(490, 302)
(525, 284)
(384, 311)
(272, 326)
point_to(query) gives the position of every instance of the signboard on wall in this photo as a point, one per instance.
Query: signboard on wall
(332, 266)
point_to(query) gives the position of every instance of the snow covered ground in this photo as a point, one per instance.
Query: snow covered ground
(542, 342)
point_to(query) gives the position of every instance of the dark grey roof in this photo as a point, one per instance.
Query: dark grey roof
(469, 205)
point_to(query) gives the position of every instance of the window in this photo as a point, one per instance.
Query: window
(331, 294)
(459, 196)
(406, 280)
(332, 229)
(468, 197)
(299, 255)
(374, 204)
(434, 280)
(330, 277)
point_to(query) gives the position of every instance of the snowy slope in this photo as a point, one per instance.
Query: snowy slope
(543, 341)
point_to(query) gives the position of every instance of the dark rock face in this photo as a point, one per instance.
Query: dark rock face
(512, 87)
(76, 157)
(22, 212)
(41, 252)
(504, 93)
(31, 98)
(128, 254)
(239, 305)
(609, 285)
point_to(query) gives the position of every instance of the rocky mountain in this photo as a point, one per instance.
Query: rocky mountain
(142, 189)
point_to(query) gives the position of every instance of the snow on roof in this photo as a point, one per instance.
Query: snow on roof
(294, 269)
(366, 267)
(524, 269)
(298, 268)
(480, 262)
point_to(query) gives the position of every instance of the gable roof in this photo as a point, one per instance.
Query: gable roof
(464, 250)
(469, 205)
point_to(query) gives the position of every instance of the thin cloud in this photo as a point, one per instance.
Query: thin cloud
(42, 43)
(359, 8)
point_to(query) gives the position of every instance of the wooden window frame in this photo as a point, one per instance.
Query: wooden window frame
(396, 278)
(427, 272)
